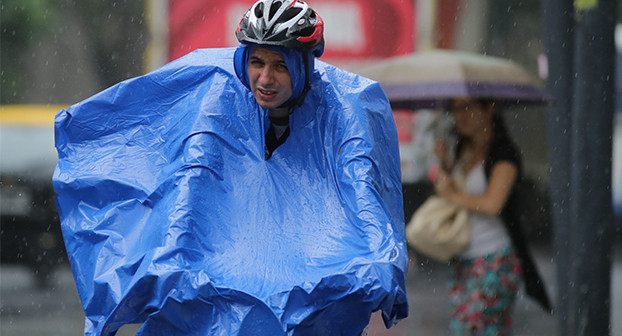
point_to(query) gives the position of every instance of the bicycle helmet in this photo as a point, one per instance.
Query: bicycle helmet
(287, 23)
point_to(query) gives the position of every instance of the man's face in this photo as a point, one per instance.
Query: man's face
(268, 77)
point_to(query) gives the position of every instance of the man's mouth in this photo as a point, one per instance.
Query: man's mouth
(267, 94)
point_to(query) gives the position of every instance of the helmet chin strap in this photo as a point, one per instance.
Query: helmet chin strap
(303, 94)
(293, 103)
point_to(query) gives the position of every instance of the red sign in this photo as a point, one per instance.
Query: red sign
(354, 29)
(404, 122)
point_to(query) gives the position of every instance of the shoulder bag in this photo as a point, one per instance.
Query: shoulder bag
(439, 229)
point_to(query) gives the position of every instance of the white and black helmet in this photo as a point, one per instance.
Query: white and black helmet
(286, 23)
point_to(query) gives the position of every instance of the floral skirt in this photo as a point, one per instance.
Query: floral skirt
(482, 292)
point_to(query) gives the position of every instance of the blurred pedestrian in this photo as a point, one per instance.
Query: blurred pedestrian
(486, 276)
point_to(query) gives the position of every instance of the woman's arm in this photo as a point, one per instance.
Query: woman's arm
(502, 179)
(441, 152)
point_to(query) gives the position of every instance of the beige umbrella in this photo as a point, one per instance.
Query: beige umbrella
(430, 78)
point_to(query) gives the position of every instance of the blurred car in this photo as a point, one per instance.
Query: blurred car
(29, 226)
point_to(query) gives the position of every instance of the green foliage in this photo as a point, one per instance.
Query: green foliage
(117, 32)
(111, 36)
(21, 23)
(24, 16)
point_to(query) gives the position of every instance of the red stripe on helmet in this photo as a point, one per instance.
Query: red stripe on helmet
(317, 33)
(238, 30)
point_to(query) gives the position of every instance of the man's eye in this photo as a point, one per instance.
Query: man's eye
(255, 61)
(281, 67)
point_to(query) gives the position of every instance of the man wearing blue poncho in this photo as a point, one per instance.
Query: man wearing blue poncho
(255, 197)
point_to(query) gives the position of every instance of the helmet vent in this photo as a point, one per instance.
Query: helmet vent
(273, 9)
(259, 10)
(308, 31)
(291, 13)
(280, 36)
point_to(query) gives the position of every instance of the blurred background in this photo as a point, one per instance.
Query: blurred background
(55, 53)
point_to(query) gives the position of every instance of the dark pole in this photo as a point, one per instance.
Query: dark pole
(591, 214)
(581, 54)
(559, 44)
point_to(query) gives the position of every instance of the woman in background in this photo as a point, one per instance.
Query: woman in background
(486, 276)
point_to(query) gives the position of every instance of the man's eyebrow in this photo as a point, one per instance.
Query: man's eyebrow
(255, 58)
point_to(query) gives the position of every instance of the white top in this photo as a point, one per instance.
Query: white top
(488, 234)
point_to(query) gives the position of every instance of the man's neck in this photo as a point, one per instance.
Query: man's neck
(279, 112)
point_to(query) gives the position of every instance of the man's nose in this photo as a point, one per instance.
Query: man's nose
(266, 76)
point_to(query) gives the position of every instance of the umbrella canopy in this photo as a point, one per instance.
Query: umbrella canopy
(431, 78)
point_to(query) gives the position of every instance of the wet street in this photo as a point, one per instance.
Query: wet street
(26, 310)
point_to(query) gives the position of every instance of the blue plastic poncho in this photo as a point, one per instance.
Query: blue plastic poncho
(171, 215)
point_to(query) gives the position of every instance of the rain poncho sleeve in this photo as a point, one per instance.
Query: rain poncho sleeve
(173, 218)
